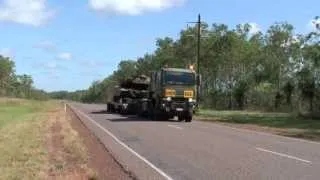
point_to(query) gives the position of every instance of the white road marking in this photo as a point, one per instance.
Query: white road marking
(173, 126)
(260, 133)
(127, 147)
(284, 155)
(202, 127)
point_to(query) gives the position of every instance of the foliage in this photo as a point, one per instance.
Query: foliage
(14, 85)
(275, 71)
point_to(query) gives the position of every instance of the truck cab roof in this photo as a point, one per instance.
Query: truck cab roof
(179, 70)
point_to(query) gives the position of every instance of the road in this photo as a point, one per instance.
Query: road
(200, 150)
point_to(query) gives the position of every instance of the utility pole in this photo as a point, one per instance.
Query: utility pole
(198, 24)
(198, 57)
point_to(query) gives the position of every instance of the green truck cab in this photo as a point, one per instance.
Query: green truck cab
(173, 93)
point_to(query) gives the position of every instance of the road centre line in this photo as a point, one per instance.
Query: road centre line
(174, 126)
(284, 155)
(166, 176)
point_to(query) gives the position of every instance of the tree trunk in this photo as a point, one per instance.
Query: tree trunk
(311, 104)
(277, 100)
(241, 102)
(230, 102)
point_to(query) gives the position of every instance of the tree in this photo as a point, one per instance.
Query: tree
(265, 71)
(25, 84)
(6, 71)
(310, 66)
(14, 85)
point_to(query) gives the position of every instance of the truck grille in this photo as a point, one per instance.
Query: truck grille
(179, 100)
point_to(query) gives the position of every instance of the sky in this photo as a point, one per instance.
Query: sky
(66, 45)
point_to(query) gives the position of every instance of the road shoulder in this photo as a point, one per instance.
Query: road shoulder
(100, 159)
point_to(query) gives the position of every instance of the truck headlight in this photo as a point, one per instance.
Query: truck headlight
(190, 100)
(170, 92)
(188, 94)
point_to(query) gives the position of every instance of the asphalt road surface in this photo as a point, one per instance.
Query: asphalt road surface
(200, 150)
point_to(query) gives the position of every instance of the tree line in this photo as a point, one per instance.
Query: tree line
(14, 85)
(277, 70)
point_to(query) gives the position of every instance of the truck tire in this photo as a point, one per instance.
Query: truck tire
(157, 115)
(108, 108)
(165, 117)
(180, 117)
(188, 116)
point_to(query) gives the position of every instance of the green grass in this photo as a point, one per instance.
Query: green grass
(291, 125)
(10, 114)
(12, 110)
(22, 151)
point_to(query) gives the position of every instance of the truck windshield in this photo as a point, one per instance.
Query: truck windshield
(184, 78)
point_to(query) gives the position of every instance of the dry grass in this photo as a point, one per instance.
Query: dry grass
(38, 142)
(68, 155)
(22, 153)
(72, 142)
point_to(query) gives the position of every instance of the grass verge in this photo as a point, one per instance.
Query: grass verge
(278, 123)
(38, 142)
(67, 153)
(21, 139)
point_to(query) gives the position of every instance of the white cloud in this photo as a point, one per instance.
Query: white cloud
(30, 12)
(46, 45)
(132, 7)
(93, 64)
(7, 52)
(295, 39)
(53, 74)
(254, 29)
(314, 23)
(65, 56)
(51, 65)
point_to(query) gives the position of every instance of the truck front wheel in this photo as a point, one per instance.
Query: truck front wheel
(188, 117)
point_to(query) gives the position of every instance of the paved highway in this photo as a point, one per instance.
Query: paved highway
(200, 150)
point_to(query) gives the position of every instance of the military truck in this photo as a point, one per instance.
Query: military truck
(172, 92)
(168, 93)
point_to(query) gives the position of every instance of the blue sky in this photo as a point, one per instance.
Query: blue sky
(65, 45)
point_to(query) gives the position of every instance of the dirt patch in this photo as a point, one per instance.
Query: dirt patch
(100, 158)
(63, 164)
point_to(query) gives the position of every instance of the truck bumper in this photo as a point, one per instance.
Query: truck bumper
(178, 107)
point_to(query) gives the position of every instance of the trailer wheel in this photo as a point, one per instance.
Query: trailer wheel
(165, 117)
(157, 115)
